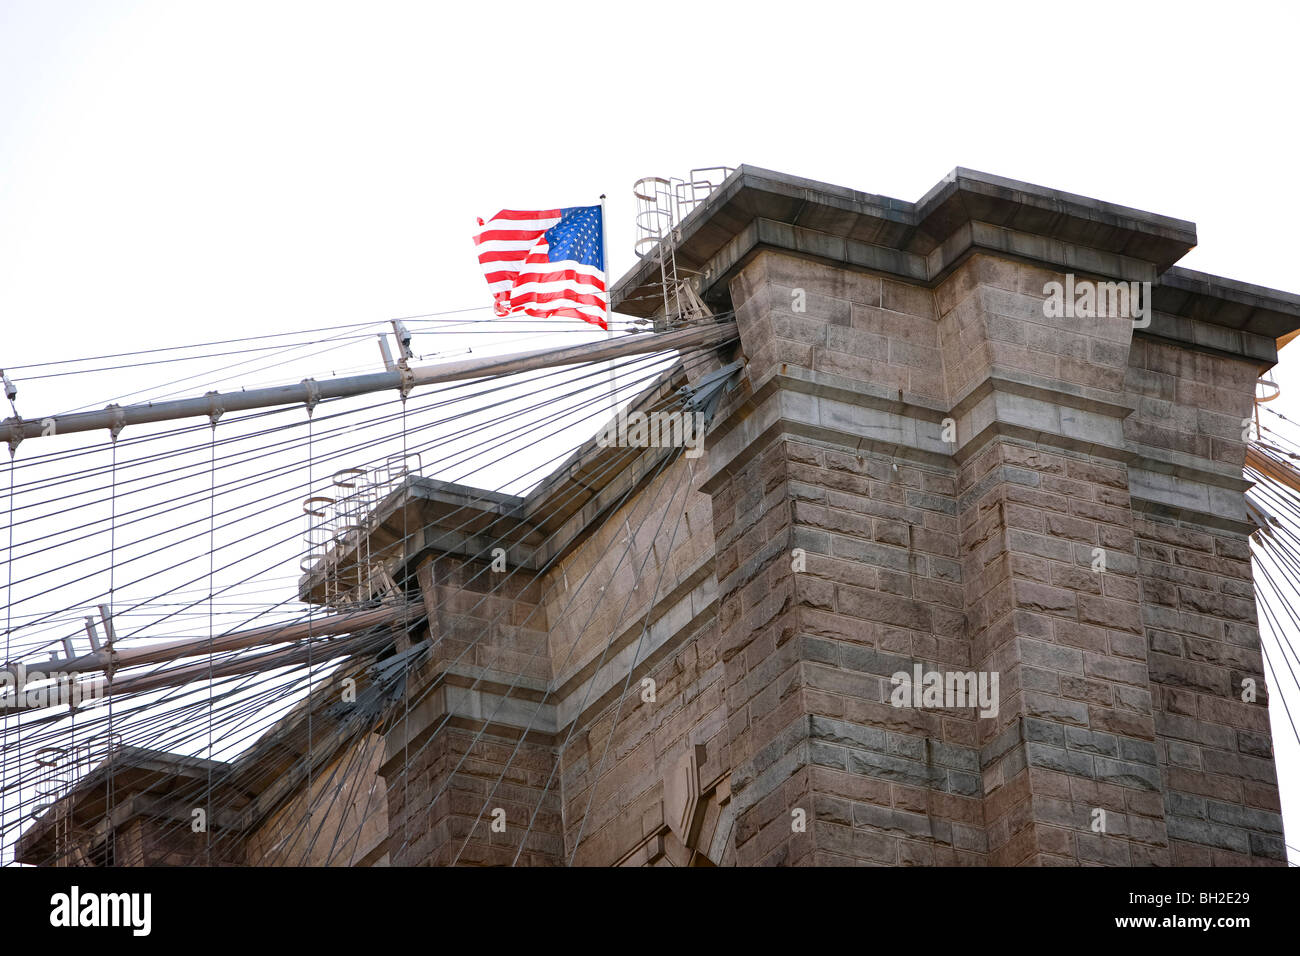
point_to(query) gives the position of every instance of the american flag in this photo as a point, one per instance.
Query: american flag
(545, 263)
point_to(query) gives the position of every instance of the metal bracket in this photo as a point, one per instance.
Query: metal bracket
(15, 434)
(92, 634)
(215, 411)
(117, 420)
(313, 395)
(384, 350)
(705, 395)
(111, 639)
(408, 379)
(403, 341)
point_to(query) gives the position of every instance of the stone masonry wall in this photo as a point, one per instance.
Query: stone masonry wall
(599, 600)
(910, 477)
(454, 753)
(1198, 608)
(1022, 559)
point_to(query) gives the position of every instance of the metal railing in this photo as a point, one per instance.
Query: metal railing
(662, 204)
(337, 539)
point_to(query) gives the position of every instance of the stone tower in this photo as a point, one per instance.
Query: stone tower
(962, 576)
(982, 484)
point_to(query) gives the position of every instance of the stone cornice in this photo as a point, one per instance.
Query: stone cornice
(968, 211)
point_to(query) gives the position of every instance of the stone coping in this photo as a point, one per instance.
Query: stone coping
(922, 242)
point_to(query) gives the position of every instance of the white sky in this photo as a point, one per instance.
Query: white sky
(181, 172)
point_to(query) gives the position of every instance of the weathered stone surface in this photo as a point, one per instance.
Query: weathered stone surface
(921, 472)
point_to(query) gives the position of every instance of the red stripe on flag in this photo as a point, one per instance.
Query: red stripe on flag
(567, 314)
(538, 298)
(522, 214)
(564, 274)
(517, 256)
(509, 235)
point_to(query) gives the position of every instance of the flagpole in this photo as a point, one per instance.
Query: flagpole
(609, 282)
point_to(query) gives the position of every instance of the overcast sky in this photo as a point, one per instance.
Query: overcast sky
(179, 172)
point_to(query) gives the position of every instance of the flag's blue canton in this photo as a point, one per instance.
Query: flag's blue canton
(577, 236)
